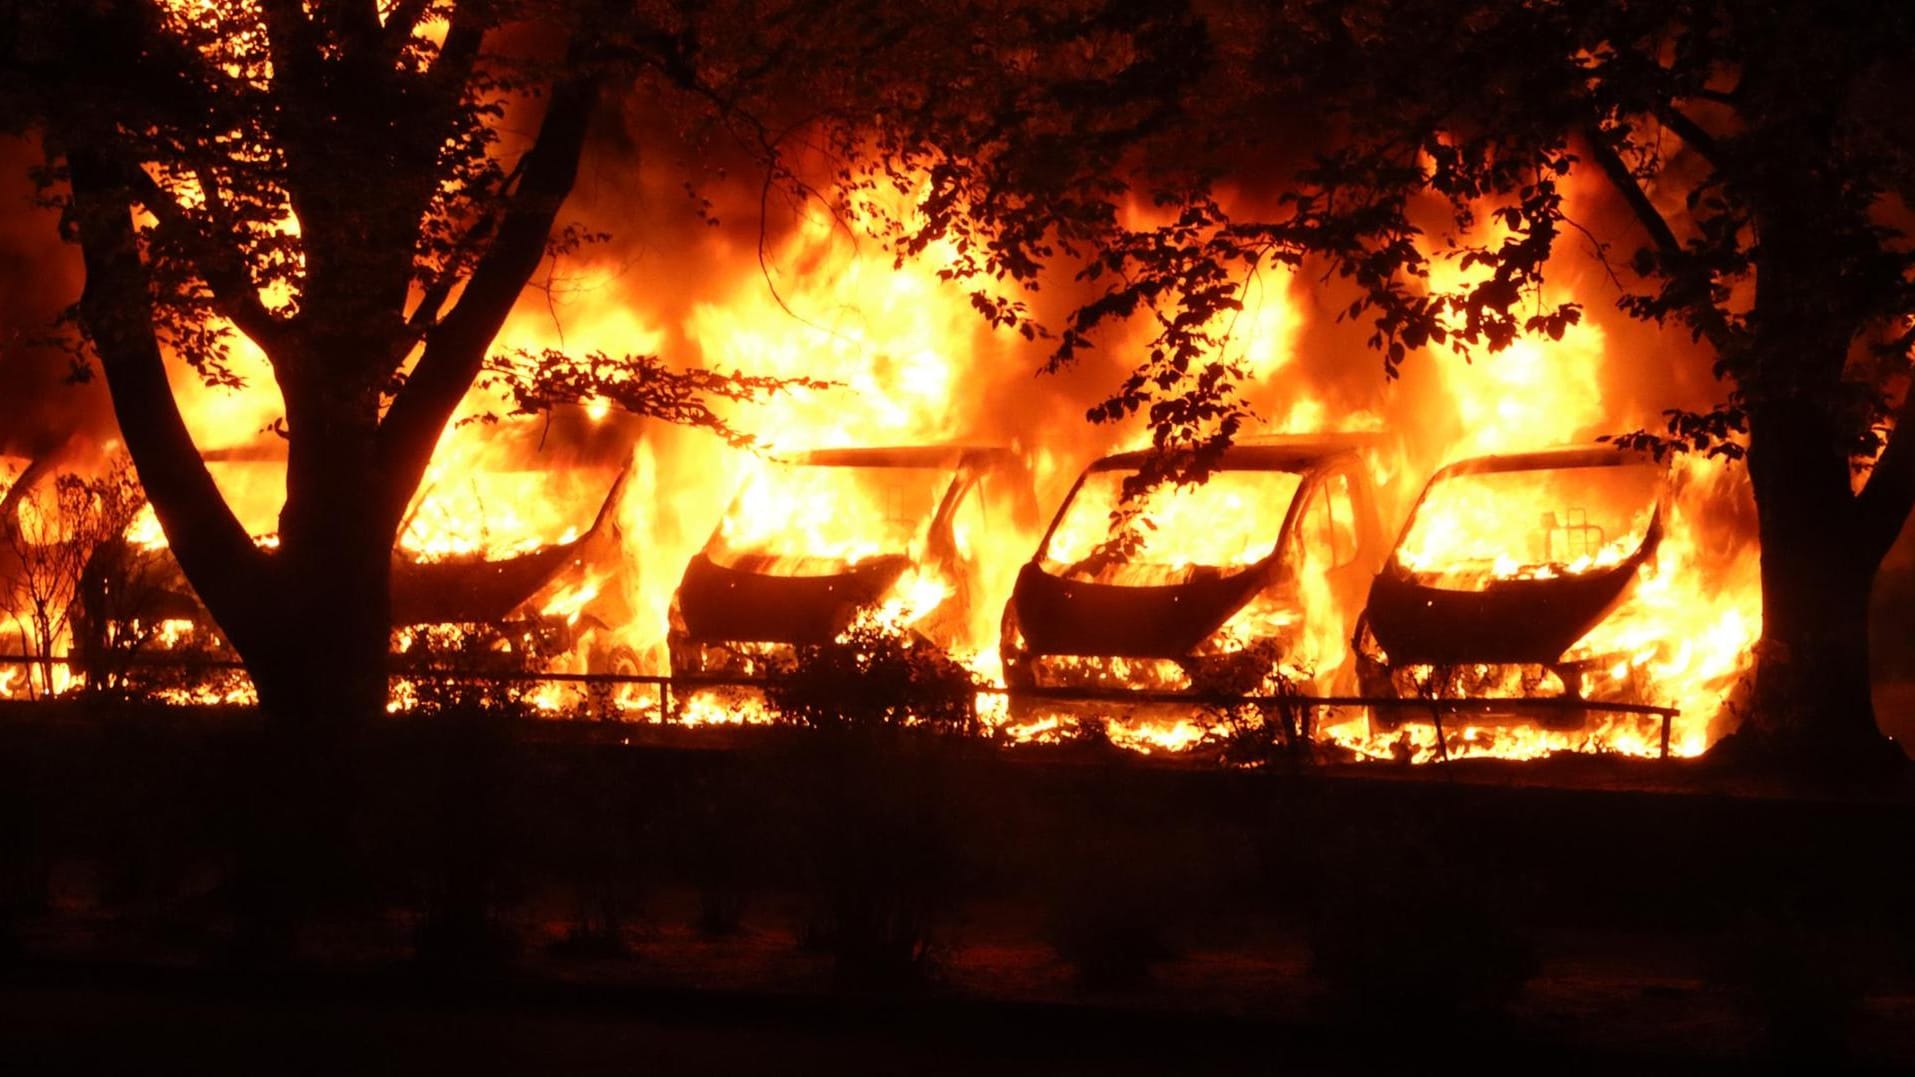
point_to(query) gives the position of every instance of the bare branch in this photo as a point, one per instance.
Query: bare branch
(1597, 249)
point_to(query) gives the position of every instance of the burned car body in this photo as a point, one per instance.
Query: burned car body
(1506, 567)
(470, 590)
(1269, 556)
(133, 596)
(811, 543)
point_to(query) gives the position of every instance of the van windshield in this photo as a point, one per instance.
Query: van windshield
(795, 519)
(1473, 528)
(1174, 533)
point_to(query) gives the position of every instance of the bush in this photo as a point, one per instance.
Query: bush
(466, 768)
(875, 681)
(886, 717)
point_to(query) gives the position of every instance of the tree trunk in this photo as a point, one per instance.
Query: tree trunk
(317, 655)
(1812, 706)
(319, 663)
(1812, 709)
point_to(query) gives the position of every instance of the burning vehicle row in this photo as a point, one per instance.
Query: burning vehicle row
(1271, 576)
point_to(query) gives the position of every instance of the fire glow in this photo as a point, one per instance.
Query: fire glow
(910, 364)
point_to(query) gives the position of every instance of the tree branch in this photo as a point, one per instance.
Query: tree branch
(426, 313)
(357, 24)
(217, 264)
(1651, 219)
(218, 556)
(293, 46)
(400, 23)
(1703, 313)
(458, 54)
(1690, 132)
(455, 350)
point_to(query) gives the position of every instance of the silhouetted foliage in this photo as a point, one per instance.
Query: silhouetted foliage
(337, 184)
(1756, 148)
(472, 667)
(886, 716)
(875, 680)
(1271, 727)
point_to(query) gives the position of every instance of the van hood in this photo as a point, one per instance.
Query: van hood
(1077, 617)
(720, 604)
(1514, 621)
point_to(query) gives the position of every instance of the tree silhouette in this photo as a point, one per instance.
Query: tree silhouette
(1760, 148)
(326, 178)
(334, 182)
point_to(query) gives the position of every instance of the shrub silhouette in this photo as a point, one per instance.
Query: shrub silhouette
(463, 756)
(886, 716)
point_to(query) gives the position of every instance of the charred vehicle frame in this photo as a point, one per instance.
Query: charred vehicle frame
(757, 591)
(1518, 630)
(1101, 624)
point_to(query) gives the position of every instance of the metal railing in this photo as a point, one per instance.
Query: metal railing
(669, 687)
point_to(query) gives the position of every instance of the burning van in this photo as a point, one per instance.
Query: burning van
(1506, 572)
(133, 596)
(1268, 557)
(812, 543)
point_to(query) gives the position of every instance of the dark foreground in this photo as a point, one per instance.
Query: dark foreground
(92, 1019)
(543, 897)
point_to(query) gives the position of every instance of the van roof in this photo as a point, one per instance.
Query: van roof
(1274, 453)
(938, 456)
(1587, 454)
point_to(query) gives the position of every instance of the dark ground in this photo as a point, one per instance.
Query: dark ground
(80, 1019)
(1666, 916)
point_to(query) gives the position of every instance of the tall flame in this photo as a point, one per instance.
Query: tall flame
(909, 362)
